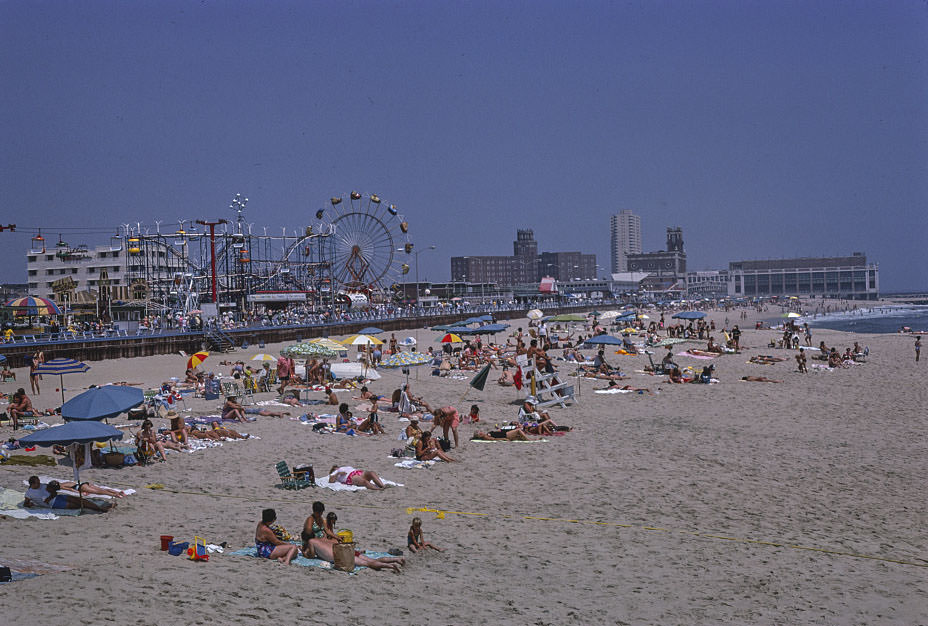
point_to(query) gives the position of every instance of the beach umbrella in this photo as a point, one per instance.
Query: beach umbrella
(61, 367)
(330, 344)
(371, 330)
(409, 341)
(263, 357)
(486, 318)
(33, 306)
(361, 340)
(629, 330)
(689, 315)
(534, 314)
(608, 315)
(73, 433)
(792, 314)
(405, 359)
(196, 358)
(310, 349)
(489, 329)
(450, 338)
(102, 402)
(458, 323)
(472, 320)
(2, 359)
(567, 317)
(604, 340)
(480, 380)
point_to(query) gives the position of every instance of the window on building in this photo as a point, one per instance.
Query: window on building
(49, 257)
(31, 258)
(33, 272)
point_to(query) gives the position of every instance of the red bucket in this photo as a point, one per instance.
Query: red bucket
(166, 541)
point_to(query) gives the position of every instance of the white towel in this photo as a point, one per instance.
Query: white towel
(325, 484)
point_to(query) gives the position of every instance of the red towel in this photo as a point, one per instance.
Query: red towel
(517, 379)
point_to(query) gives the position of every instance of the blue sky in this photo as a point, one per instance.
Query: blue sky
(763, 129)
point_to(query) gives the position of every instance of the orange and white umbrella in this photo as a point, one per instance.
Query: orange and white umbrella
(196, 359)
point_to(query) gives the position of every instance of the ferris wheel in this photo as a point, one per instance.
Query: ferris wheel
(371, 243)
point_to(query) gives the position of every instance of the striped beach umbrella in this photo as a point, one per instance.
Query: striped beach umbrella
(263, 357)
(33, 306)
(196, 358)
(329, 343)
(450, 338)
(61, 367)
(361, 340)
(405, 359)
(309, 349)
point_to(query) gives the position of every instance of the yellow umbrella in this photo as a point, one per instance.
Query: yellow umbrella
(629, 331)
(450, 338)
(361, 340)
(328, 343)
(263, 357)
(196, 359)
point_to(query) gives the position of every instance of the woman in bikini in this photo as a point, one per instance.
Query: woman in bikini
(348, 475)
(315, 528)
(267, 543)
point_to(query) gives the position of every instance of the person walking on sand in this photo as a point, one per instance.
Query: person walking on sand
(918, 347)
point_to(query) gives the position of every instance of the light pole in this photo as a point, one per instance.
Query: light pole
(417, 253)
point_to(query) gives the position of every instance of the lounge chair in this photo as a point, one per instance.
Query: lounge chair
(288, 480)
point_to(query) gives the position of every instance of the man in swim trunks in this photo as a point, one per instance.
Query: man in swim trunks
(49, 497)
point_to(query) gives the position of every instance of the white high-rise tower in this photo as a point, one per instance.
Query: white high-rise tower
(625, 229)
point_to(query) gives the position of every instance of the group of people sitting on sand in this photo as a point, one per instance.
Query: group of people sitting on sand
(318, 539)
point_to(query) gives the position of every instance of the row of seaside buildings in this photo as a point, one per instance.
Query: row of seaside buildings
(663, 272)
(527, 273)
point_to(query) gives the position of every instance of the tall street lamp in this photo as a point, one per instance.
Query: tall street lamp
(417, 253)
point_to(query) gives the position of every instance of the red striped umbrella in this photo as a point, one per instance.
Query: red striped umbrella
(33, 306)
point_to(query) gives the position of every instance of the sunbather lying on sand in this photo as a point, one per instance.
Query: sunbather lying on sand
(352, 476)
(512, 434)
(323, 550)
(613, 385)
(216, 433)
(760, 379)
(48, 496)
(86, 488)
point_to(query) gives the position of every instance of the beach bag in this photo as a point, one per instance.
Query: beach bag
(344, 556)
(445, 444)
(114, 459)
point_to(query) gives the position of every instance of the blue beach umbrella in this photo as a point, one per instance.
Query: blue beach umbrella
(689, 315)
(102, 402)
(603, 340)
(370, 330)
(73, 432)
(62, 367)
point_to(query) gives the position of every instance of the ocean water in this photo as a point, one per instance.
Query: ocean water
(876, 320)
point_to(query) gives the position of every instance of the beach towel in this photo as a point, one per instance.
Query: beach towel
(414, 464)
(33, 460)
(47, 479)
(325, 484)
(12, 504)
(614, 391)
(304, 562)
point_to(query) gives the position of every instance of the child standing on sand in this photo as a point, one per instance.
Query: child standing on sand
(414, 539)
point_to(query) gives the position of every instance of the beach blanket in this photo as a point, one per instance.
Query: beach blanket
(325, 484)
(12, 504)
(614, 391)
(414, 464)
(304, 562)
(669, 341)
(31, 460)
(47, 479)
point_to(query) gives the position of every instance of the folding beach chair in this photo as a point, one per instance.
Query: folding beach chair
(288, 480)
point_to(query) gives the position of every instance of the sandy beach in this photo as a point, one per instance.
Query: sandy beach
(738, 502)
